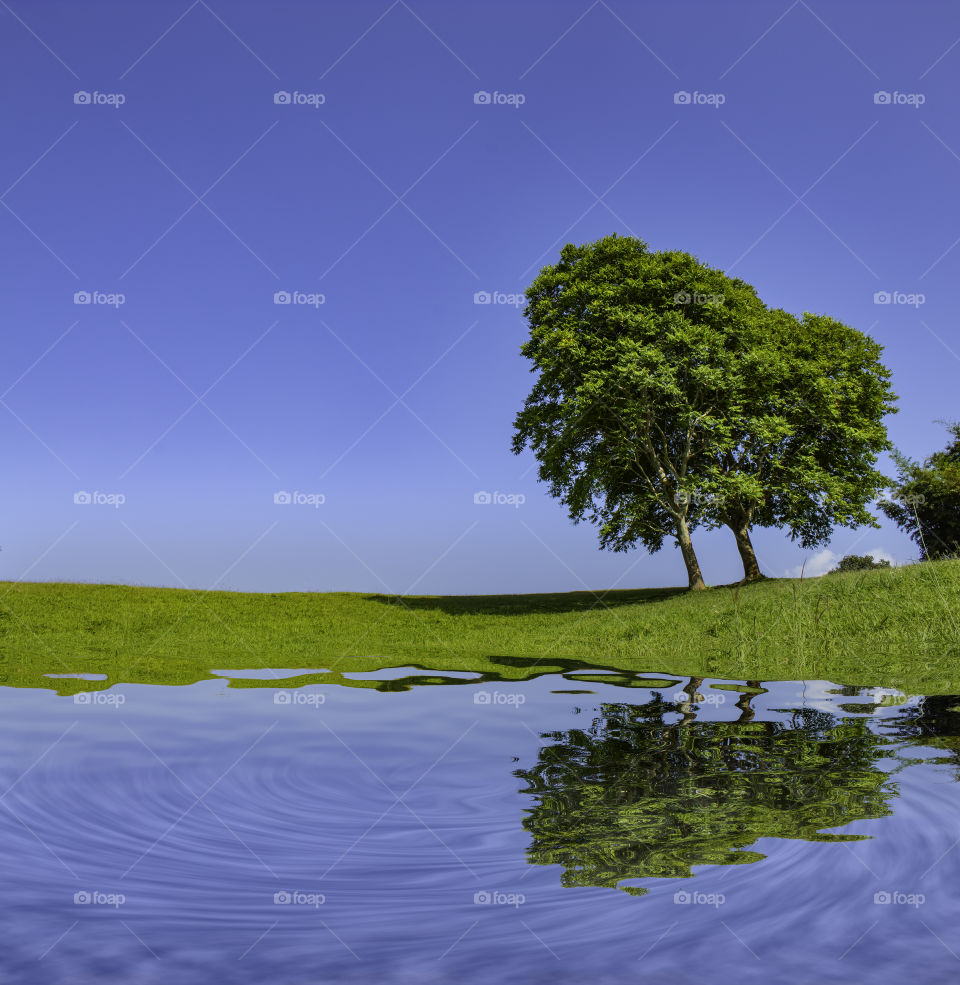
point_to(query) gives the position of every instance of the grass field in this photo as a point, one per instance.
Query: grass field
(895, 627)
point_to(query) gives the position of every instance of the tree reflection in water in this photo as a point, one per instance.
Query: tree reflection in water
(648, 790)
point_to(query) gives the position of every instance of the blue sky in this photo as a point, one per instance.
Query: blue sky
(151, 170)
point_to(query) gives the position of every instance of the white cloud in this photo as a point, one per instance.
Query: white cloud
(879, 554)
(821, 562)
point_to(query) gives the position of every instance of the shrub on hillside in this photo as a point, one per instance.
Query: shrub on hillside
(860, 562)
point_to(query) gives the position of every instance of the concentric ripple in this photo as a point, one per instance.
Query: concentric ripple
(778, 832)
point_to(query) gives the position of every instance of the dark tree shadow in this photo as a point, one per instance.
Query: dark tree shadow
(525, 605)
(519, 669)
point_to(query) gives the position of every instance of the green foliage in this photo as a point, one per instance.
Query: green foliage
(669, 397)
(810, 429)
(860, 562)
(926, 500)
(633, 797)
(633, 393)
(638, 794)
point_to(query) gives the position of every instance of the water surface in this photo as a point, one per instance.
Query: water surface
(579, 827)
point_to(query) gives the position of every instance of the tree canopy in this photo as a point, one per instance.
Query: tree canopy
(670, 397)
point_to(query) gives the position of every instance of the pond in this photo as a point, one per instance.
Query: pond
(420, 827)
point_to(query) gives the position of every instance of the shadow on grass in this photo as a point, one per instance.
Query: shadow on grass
(526, 605)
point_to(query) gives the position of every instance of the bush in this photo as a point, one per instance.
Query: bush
(926, 500)
(860, 562)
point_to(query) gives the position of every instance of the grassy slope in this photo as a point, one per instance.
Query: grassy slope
(896, 627)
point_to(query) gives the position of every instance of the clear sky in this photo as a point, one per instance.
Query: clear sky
(150, 168)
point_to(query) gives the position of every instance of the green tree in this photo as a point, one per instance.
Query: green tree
(813, 396)
(635, 351)
(926, 500)
(670, 397)
(860, 562)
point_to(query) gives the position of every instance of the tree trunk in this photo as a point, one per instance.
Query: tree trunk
(741, 533)
(693, 689)
(689, 556)
(745, 699)
(686, 706)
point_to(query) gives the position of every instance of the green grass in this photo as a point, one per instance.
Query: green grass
(898, 627)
